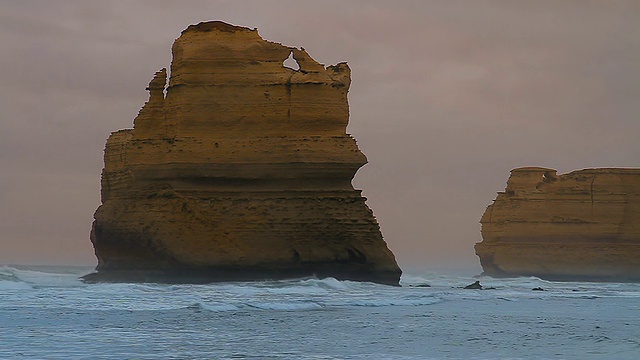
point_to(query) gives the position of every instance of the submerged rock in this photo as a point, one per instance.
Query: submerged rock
(584, 225)
(475, 286)
(420, 285)
(241, 172)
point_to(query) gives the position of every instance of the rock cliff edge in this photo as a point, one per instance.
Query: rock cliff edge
(584, 225)
(242, 171)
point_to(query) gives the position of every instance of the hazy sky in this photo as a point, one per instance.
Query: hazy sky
(447, 97)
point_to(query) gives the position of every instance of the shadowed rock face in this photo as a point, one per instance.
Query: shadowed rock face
(584, 225)
(241, 172)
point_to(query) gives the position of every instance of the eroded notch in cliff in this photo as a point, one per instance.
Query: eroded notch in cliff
(549, 176)
(296, 256)
(356, 256)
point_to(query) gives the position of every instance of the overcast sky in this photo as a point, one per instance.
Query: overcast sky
(447, 97)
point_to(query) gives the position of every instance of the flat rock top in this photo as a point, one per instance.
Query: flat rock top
(215, 25)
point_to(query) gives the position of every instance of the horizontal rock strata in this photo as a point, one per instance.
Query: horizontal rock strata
(241, 172)
(584, 225)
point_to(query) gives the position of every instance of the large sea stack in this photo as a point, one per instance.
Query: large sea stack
(584, 225)
(241, 172)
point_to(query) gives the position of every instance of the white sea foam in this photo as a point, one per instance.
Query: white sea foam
(412, 280)
(64, 278)
(328, 283)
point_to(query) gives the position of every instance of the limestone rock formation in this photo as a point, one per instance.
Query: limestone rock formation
(584, 225)
(241, 172)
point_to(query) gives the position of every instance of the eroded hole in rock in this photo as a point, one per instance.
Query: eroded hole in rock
(296, 256)
(291, 63)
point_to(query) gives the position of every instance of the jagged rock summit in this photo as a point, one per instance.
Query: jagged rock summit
(584, 225)
(241, 172)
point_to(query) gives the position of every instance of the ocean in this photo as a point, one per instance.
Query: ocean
(48, 313)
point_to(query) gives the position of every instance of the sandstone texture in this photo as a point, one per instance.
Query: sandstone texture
(584, 225)
(242, 171)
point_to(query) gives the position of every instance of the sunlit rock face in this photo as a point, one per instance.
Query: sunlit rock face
(241, 172)
(584, 225)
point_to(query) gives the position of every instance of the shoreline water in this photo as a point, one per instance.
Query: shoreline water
(54, 315)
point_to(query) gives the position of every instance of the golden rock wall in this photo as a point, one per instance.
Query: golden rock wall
(241, 172)
(580, 225)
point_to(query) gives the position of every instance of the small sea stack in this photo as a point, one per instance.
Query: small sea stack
(239, 168)
(584, 225)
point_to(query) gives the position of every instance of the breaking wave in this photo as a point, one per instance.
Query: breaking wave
(44, 275)
(34, 287)
(258, 317)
